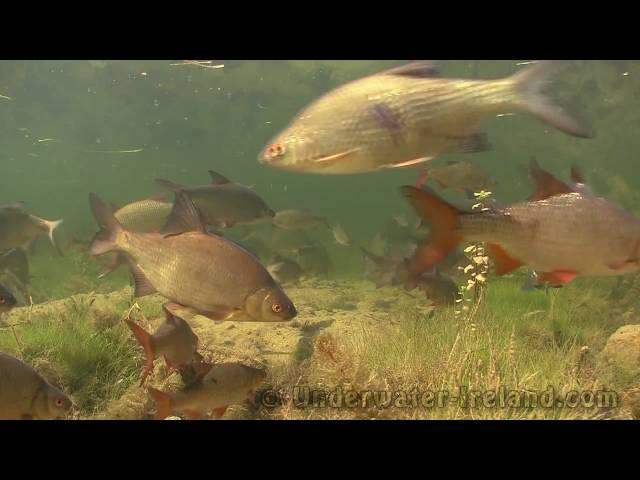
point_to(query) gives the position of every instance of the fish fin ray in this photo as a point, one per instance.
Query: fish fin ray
(218, 179)
(141, 284)
(444, 220)
(504, 262)
(530, 82)
(144, 339)
(105, 240)
(184, 217)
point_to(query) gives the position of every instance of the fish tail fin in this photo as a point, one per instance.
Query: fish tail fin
(145, 340)
(51, 227)
(169, 185)
(106, 239)
(444, 219)
(529, 83)
(163, 401)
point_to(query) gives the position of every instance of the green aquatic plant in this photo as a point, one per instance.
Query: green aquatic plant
(92, 365)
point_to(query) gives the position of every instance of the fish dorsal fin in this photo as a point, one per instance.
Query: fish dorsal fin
(452, 162)
(184, 217)
(546, 185)
(217, 179)
(114, 207)
(419, 69)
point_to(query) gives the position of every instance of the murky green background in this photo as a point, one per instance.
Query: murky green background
(62, 116)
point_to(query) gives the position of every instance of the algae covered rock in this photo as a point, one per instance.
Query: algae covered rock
(623, 348)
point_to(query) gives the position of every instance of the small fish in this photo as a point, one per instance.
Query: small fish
(407, 116)
(401, 220)
(460, 176)
(208, 273)
(298, 220)
(7, 300)
(144, 216)
(224, 203)
(174, 340)
(284, 270)
(18, 229)
(560, 237)
(340, 236)
(314, 259)
(223, 385)
(441, 291)
(385, 271)
(30, 396)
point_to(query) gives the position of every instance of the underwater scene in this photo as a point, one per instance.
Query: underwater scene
(319, 239)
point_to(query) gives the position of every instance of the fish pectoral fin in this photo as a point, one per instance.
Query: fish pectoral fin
(503, 261)
(556, 278)
(141, 284)
(328, 160)
(408, 163)
(219, 412)
(184, 217)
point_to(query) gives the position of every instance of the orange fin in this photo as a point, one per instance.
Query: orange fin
(146, 341)
(556, 278)
(546, 185)
(444, 224)
(163, 402)
(219, 412)
(504, 262)
(331, 159)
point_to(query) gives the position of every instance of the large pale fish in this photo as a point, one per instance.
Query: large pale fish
(406, 116)
(207, 273)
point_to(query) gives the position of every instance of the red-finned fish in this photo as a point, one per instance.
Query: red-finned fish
(560, 237)
(406, 116)
(222, 385)
(174, 340)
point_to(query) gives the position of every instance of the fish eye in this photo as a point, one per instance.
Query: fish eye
(276, 307)
(275, 150)
(58, 402)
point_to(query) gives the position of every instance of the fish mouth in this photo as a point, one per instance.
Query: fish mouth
(290, 314)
